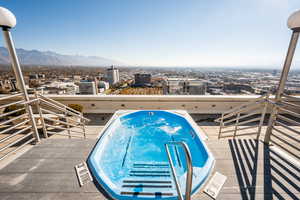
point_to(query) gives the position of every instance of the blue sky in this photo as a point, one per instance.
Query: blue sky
(158, 32)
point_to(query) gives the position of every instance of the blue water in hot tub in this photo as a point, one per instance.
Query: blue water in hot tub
(130, 162)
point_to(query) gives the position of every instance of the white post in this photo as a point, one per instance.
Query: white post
(221, 125)
(236, 124)
(263, 114)
(19, 77)
(283, 79)
(38, 106)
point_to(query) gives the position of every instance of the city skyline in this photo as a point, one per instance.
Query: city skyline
(159, 33)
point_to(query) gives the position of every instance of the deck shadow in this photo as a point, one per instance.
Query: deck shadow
(245, 156)
(281, 179)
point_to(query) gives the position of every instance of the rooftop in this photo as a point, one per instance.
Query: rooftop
(253, 169)
(255, 139)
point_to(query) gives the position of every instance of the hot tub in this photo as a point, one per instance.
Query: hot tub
(129, 161)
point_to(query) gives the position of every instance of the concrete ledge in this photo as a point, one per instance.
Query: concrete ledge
(208, 104)
(194, 104)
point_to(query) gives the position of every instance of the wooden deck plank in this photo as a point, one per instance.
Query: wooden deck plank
(253, 170)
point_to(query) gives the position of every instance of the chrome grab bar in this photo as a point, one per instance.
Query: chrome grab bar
(189, 178)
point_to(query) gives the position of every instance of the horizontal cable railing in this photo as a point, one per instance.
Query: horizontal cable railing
(244, 105)
(285, 130)
(57, 118)
(246, 116)
(16, 129)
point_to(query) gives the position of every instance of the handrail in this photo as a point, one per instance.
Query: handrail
(189, 175)
(251, 106)
(233, 117)
(10, 96)
(243, 116)
(293, 98)
(14, 134)
(13, 119)
(243, 122)
(18, 124)
(11, 112)
(59, 104)
(15, 126)
(13, 103)
(61, 122)
(243, 107)
(246, 104)
(64, 109)
(58, 115)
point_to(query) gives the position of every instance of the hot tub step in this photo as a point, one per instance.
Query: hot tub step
(150, 165)
(147, 193)
(160, 172)
(151, 170)
(149, 179)
(147, 186)
(145, 181)
(154, 175)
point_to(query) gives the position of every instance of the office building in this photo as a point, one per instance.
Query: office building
(142, 80)
(87, 88)
(112, 75)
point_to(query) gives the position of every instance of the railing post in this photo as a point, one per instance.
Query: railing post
(68, 121)
(236, 124)
(283, 79)
(263, 114)
(83, 126)
(221, 125)
(41, 115)
(68, 129)
(19, 77)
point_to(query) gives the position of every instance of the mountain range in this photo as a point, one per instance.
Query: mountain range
(35, 57)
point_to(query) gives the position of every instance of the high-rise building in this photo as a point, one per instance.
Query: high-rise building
(112, 75)
(195, 87)
(142, 80)
(184, 86)
(87, 88)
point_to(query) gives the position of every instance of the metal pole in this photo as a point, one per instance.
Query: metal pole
(283, 79)
(263, 114)
(189, 175)
(19, 77)
(220, 128)
(287, 64)
(83, 126)
(38, 106)
(236, 124)
(68, 129)
(180, 197)
(189, 166)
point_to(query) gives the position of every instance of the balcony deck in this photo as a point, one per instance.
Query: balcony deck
(46, 171)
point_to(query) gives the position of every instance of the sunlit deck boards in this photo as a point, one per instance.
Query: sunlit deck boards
(47, 170)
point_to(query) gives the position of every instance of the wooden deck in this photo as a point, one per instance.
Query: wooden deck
(253, 170)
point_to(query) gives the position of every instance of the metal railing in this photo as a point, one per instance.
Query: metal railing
(57, 116)
(283, 129)
(189, 178)
(237, 119)
(16, 127)
(19, 126)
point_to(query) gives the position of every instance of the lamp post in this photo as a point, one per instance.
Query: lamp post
(8, 21)
(294, 24)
